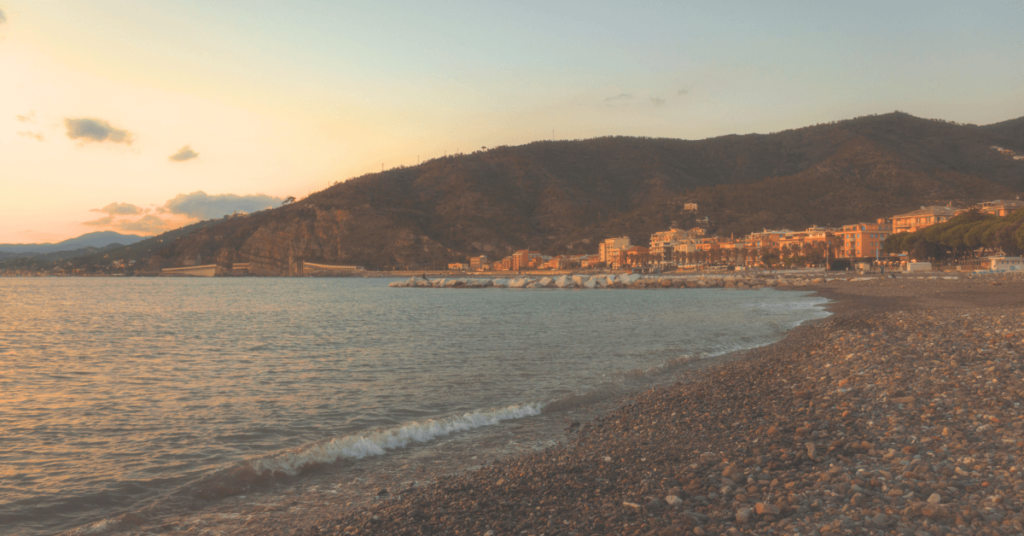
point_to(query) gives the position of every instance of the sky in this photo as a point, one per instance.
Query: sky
(140, 117)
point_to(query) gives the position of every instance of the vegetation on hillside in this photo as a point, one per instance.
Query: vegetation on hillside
(968, 235)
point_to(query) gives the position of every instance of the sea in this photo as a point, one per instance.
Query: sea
(244, 405)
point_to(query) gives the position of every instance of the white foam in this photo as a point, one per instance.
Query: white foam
(377, 443)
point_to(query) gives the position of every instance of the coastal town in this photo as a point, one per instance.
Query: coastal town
(676, 249)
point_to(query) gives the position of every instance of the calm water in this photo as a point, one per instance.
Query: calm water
(149, 396)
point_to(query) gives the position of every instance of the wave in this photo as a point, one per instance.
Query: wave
(377, 443)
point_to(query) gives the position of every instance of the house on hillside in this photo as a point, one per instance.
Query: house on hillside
(1000, 207)
(921, 218)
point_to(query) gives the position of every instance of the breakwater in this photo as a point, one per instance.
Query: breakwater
(611, 281)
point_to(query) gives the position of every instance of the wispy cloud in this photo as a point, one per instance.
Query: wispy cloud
(96, 130)
(683, 91)
(102, 222)
(27, 118)
(34, 135)
(120, 209)
(3, 17)
(203, 206)
(183, 154)
(147, 224)
(658, 102)
(619, 97)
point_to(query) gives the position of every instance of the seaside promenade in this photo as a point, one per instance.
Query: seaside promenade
(899, 414)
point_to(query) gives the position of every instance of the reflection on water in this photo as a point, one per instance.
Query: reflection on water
(133, 395)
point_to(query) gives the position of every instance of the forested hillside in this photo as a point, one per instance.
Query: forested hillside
(564, 196)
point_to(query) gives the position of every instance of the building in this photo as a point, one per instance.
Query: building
(863, 240)
(1003, 264)
(525, 259)
(637, 256)
(610, 247)
(766, 239)
(458, 266)
(478, 263)
(921, 218)
(663, 243)
(690, 206)
(1000, 207)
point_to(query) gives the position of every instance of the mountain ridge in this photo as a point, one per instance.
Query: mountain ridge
(98, 239)
(565, 196)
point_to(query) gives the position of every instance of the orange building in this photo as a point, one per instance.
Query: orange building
(863, 239)
(525, 259)
(921, 218)
(608, 250)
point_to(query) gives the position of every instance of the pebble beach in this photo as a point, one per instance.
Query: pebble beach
(899, 414)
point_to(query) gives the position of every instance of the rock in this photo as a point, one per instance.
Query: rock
(811, 451)
(709, 457)
(881, 521)
(934, 498)
(655, 505)
(766, 509)
(673, 500)
(743, 516)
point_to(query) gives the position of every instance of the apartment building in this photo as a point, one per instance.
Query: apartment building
(478, 263)
(525, 259)
(1000, 207)
(610, 247)
(863, 239)
(921, 218)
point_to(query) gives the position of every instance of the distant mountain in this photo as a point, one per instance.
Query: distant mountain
(98, 239)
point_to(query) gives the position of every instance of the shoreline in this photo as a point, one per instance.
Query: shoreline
(836, 428)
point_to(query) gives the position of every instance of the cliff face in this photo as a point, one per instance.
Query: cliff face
(562, 197)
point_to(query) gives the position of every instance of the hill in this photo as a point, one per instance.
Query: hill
(564, 196)
(97, 240)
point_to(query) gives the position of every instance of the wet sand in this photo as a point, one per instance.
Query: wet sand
(899, 414)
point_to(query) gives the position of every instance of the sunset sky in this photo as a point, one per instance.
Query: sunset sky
(141, 116)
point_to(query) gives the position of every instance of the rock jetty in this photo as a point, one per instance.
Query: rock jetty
(631, 281)
(899, 414)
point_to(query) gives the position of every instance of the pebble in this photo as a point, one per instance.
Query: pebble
(899, 414)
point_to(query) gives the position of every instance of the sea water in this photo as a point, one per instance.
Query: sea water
(227, 405)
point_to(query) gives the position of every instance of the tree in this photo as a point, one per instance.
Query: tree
(287, 201)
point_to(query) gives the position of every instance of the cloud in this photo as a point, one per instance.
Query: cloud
(619, 97)
(96, 130)
(202, 206)
(102, 222)
(683, 91)
(183, 154)
(658, 102)
(120, 208)
(36, 135)
(147, 224)
(27, 118)
(3, 18)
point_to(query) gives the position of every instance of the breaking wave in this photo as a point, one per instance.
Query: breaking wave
(376, 443)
